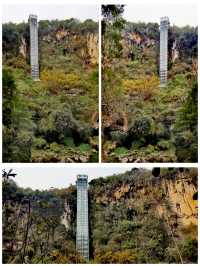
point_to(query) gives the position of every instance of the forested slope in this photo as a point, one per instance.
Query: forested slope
(140, 216)
(143, 122)
(56, 118)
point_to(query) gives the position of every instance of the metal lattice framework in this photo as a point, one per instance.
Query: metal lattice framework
(82, 231)
(34, 46)
(164, 25)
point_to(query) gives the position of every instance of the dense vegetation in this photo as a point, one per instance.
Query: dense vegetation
(127, 226)
(33, 232)
(56, 118)
(143, 122)
(140, 216)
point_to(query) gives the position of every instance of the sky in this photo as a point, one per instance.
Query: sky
(19, 13)
(179, 15)
(45, 177)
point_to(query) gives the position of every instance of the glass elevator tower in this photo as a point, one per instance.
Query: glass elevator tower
(82, 230)
(34, 46)
(164, 25)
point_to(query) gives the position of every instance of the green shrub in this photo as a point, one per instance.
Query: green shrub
(140, 128)
(118, 136)
(56, 80)
(120, 151)
(69, 141)
(55, 147)
(39, 143)
(189, 251)
(136, 144)
(163, 144)
(9, 90)
(186, 146)
(21, 147)
(85, 147)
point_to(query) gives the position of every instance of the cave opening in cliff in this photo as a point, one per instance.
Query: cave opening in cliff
(195, 196)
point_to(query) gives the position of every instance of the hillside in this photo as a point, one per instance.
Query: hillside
(143, 122)
(140, 216)
(56, 118)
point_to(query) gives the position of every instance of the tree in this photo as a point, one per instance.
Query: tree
(11, 39)
(189, 112)
(28, 224)
(7, 185)
(7, 175)
(9, 88)
(186, 127)
(112, 25)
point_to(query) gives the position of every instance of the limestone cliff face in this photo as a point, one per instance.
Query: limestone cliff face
(180, 194)
(139, 39)
(84, 45)
(143, 42)
(61, 34)
(92, 46)
(23, 47)
(136, 39)
(172, 199)
(174, 52)
(66, 216)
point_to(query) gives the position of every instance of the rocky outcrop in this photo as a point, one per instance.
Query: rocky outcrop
(23, 47)
(61, 34)
(86, 45)
(66, 216)
(180, 194)
(93, 47)
(172, 199)
(136, 39)
(175, 53)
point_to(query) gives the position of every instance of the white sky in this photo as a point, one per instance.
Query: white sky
(179, 15)
(19, 13)
(44, 177)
